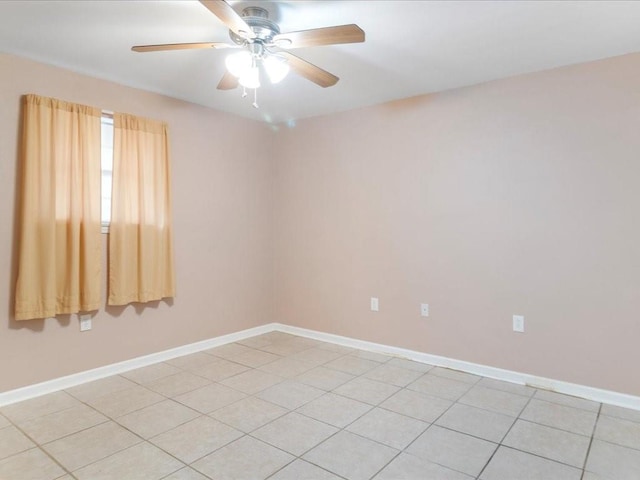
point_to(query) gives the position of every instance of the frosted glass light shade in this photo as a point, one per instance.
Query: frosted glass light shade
(238, 63)
(276, 67)
(250, 78)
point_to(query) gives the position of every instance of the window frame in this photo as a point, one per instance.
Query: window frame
(106, 167)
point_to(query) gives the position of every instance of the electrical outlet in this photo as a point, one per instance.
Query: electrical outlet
(424, 309)
(374, 304)
(85, 322)
(518, 323)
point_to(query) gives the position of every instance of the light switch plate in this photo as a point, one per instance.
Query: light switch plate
(374, 304)
(518, 323)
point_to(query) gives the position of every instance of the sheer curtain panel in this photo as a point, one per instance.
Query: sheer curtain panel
(59, 220)
(140, 233)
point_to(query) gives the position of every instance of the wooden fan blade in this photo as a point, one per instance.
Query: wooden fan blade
(179, 46)
(229, 17)
(227, 82)
(320, 36)
(310, 71)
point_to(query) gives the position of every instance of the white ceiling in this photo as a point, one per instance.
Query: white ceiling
(411, 48)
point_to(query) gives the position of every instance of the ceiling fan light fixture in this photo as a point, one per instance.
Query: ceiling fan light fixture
(277, 68)
(250, 78)
(238, 64)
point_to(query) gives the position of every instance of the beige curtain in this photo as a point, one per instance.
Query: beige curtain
(140, 233)
(59, 247)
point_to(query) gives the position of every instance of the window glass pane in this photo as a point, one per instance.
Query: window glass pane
(107, 168)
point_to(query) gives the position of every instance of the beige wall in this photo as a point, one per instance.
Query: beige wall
(518, 196)
(222, 200)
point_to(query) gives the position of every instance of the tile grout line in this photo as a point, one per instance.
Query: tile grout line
(505, 436)
(593, 432)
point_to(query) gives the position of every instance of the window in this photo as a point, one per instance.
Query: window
(106, 142)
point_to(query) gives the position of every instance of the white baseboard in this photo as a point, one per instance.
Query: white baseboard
(589, 393)
(50, 386)
(582, 391)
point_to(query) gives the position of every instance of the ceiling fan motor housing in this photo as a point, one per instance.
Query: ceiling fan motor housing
(263, 28)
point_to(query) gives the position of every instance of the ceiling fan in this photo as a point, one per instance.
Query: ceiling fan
(264, 48)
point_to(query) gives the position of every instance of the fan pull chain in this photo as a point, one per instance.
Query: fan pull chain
(255, 98)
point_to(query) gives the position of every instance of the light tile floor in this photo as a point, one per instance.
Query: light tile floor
(283, 407)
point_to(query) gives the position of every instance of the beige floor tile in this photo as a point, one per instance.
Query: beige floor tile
(567, 400)
(229, 350)
(294, 433)
(177, 384)
(210, 398)
(88, 446)
(351, 456)
(286, 348)
(55, 425)
(406, 466)
(252, 381)
(388, 428)
(13, 441)
(592, 476)
(439, 387)
(92, 390)
(324, 378)
(157, 418)
(304, 342)
(507, 387)
(186, 474)
(151, 373)
(248, 414)
(126, 401)
(551, 443)
(618, 431)
(453, 450)
(398, 376)
(352, 365)
(417, 405)
(245, 426)
(39, 406)
(495, 400)
(255, 358)
(32, 464)
(316, 356)
(195, 439)
(454, 375)
(255, 342)
(218, 370)
(190, 361)
(287, 367)
(290, 394)
(276, 336)
(477, 422)
(140, 462)
(559, 416)
(513, 464)
(336, 348)
(613, 462)
(299, 470)
(620, 412)
(365, 390)
(335, 409)
(373, 356)
(410, 364)
(246, 458)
